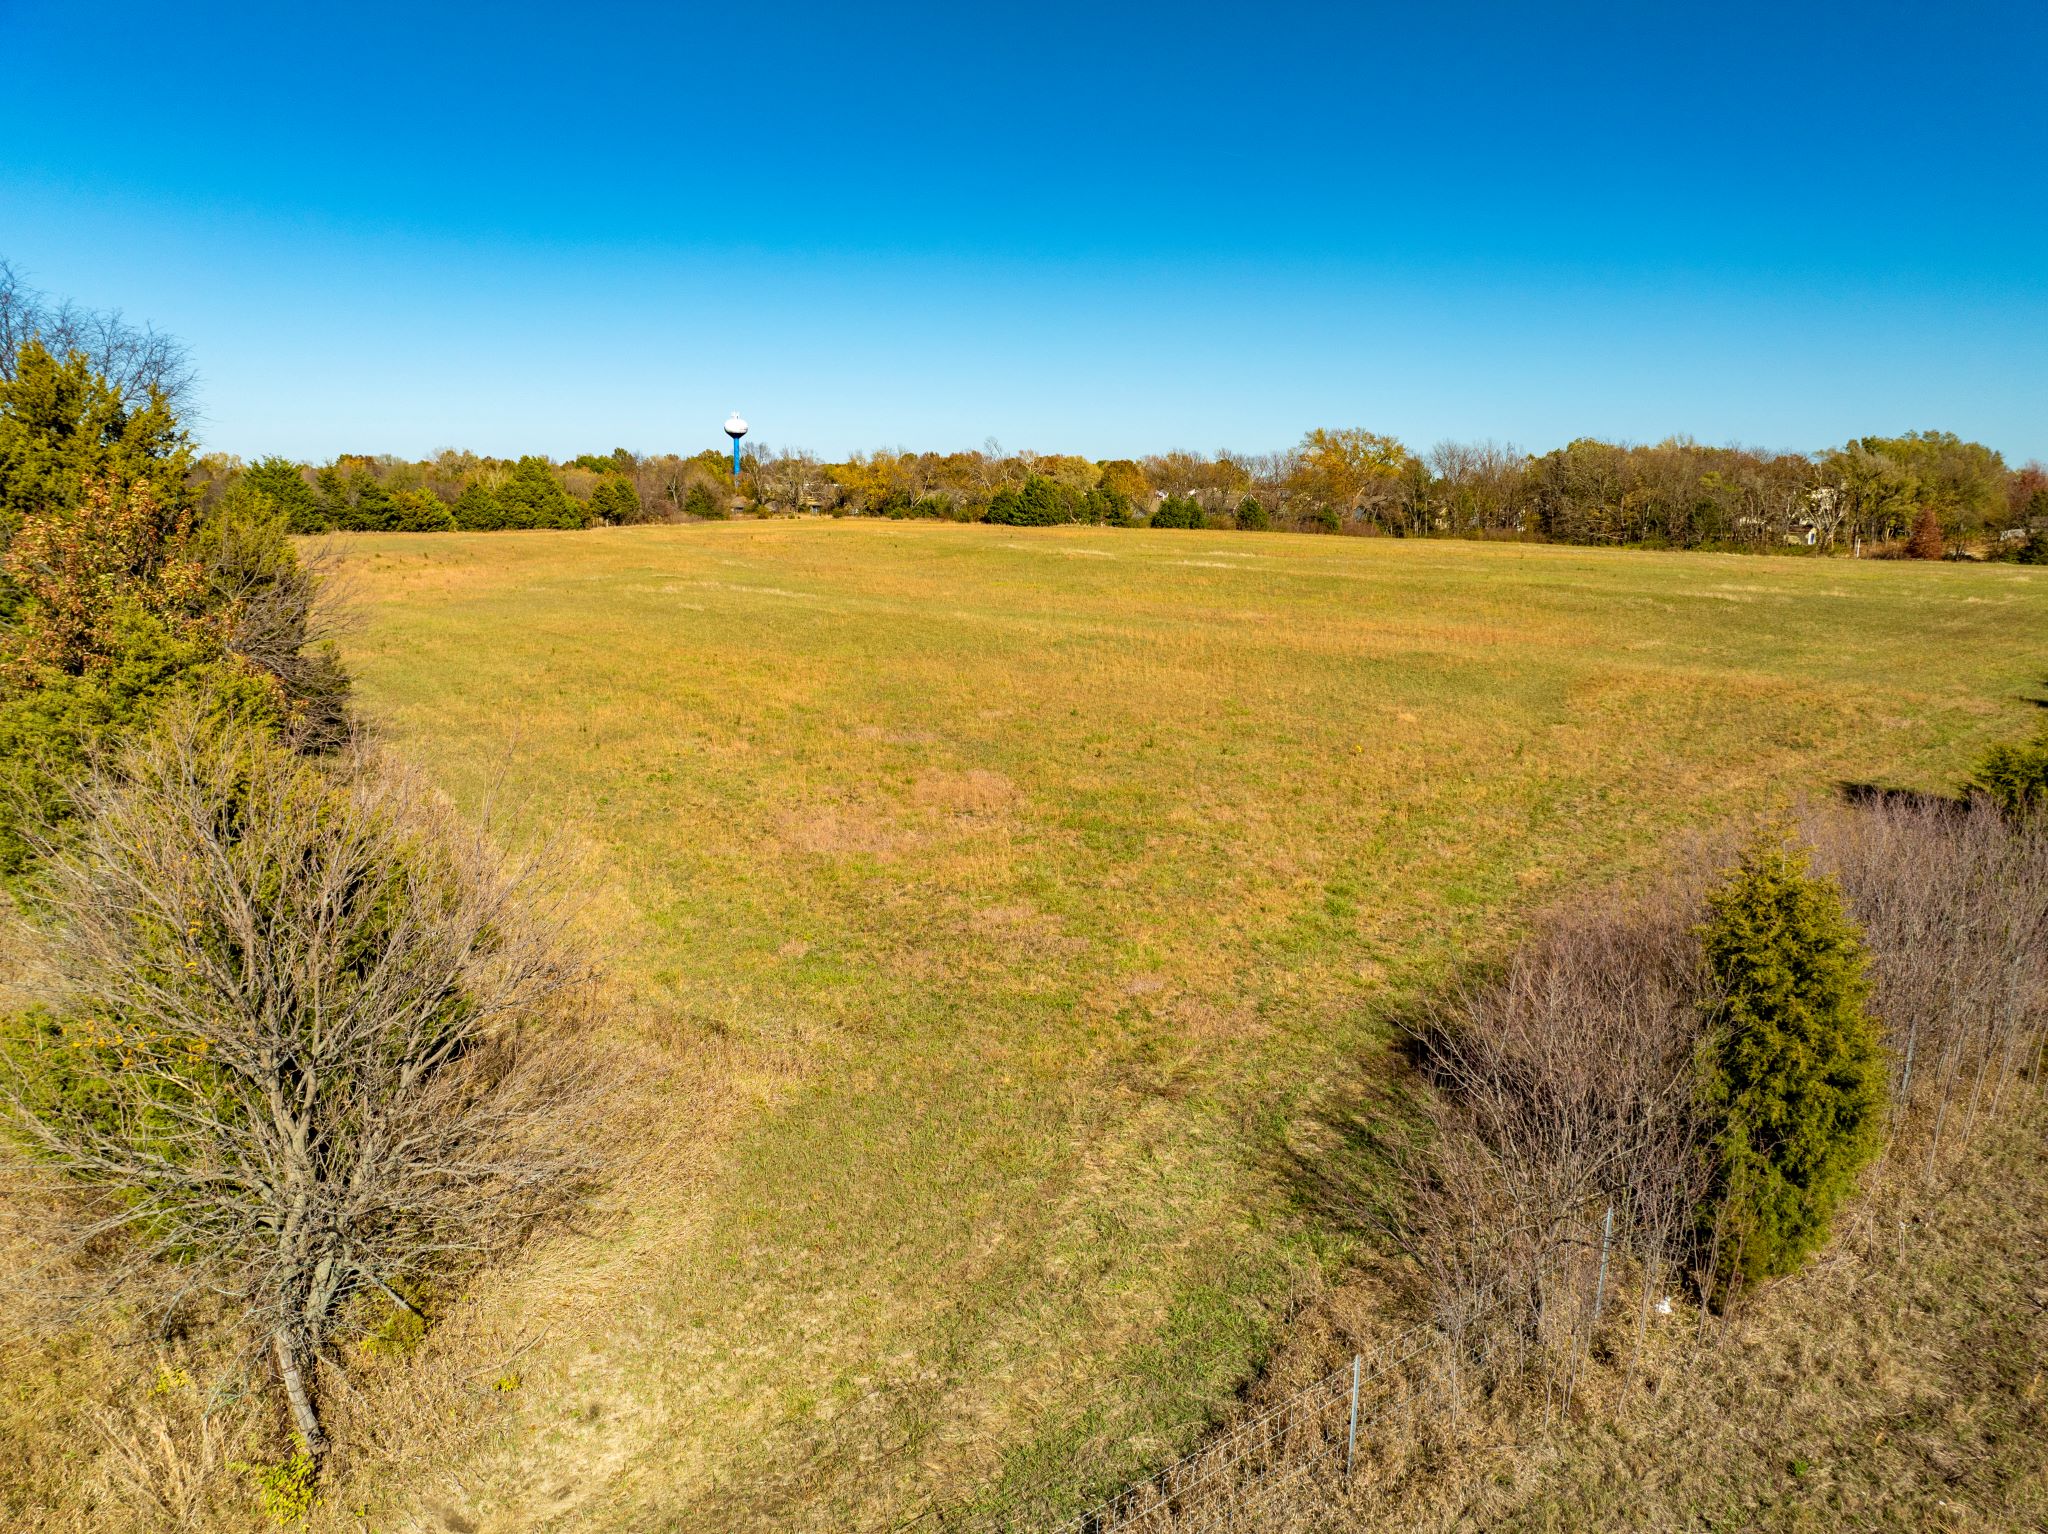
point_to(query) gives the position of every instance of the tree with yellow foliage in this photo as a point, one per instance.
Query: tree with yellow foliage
(1346, 472)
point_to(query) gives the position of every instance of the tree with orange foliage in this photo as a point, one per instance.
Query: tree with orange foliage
(121, 550)
(1927, 542)
(122, 604)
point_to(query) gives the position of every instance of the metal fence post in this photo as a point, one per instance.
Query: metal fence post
(1351, 1442)
(1606, 1240)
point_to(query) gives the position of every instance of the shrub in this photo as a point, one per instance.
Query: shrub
(702, 501)
(2016, 776)
(288, 1489)
(1793, 1077)
(1953, 902)
(314, 976)
(281, 621)
(1563, 1084)
(1251, 515)
(1178, 511)
(401, 1326)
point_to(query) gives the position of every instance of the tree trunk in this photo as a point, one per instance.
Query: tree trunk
(304, 1417)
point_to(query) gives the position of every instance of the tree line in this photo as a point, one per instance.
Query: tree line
(1932, 494)
(74, 373)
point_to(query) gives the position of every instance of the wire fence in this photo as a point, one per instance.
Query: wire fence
(1361, 1418)
(1362, 1423)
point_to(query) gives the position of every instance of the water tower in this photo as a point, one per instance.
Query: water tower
(735, 428)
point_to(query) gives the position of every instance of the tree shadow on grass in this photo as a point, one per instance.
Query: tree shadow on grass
(1880, 796)
(1347, 1163)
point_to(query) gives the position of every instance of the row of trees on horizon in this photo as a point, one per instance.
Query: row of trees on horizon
(116, 393)
(1946, 494)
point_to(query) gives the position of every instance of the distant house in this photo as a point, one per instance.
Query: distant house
(1801, 531)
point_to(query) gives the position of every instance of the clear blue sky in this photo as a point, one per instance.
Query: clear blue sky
(1096, 228)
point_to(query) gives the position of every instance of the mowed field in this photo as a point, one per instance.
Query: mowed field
(984, 906)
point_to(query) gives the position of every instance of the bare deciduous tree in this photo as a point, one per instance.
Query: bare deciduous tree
(1477, 488)
(133, 359)
(294, 1051)
(791, 478)
(1953, 901)
(1563, 1084)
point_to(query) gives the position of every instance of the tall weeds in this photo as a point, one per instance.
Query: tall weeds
(1563, 1089)
(1953, 901)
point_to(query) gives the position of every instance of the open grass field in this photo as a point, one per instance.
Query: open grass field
(999, 895)
(984, 904)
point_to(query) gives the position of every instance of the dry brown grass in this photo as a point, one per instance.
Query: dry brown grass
(1898, 1383)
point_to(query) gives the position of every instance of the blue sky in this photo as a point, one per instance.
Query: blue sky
(1105, 229)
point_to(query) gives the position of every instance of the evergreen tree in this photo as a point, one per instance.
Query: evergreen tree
(63, 427)
(126, 604)
(350, 497)
(477, 510)
(1039, 502)
(285, 487)
(1793, 1078)
(2035, 550)
(1044, 502)
(614, 500)
(702, 502)
(419, 511)
(2016, 776)
(1107, 505)
(1251, 515)
(532, 497)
